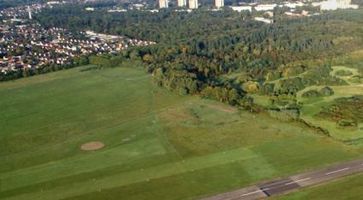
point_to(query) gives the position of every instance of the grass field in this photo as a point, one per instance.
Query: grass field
(158, 145)
(349, 188)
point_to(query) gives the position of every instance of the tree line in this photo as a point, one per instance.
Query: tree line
(227, 55)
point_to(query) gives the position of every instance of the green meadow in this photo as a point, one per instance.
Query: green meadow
(158, 145)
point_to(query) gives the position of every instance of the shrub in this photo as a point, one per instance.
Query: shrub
(347, 123)
(311, 93)
(326, 91)
(343, 73)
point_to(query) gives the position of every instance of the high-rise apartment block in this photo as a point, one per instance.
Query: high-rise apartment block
(219, 3)
(193, 4)
(182, 3)
(163, 3)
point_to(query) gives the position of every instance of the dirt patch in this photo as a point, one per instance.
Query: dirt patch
(176, 114)
(223, 108)
(92, 146)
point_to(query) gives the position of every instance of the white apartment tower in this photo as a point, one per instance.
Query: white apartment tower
(163, 3)
(30, 13)
(193, 4)
(219, 3)
(182, 3)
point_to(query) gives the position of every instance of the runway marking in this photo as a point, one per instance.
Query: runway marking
(275, 183)
(333, 172)
(257, 191)
(269, 188)
(297, 181)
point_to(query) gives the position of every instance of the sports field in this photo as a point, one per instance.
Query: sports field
(153, 144)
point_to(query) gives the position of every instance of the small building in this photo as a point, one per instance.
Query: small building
(264, 20)
(90, 9)
(265, 7)
(241, 8)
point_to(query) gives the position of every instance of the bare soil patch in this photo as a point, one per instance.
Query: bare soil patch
(223, 108)
(92, 146)
(176, 114)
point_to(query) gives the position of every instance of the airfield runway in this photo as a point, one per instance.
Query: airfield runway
(292, 183)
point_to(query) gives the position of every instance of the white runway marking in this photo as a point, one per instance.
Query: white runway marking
(277, 187)
(276, 183)
(333, 172)
(297, 181)
(254, 192)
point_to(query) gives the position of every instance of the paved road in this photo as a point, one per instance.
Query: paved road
(292, 183)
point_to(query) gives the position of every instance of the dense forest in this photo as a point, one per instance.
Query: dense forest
(226, 55)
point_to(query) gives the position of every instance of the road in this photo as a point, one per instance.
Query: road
(292, 183)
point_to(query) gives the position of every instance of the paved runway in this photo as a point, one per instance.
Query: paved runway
(292, 183)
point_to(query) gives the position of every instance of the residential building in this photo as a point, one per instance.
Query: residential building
(182, 3)
(242, 8)
(163, 3)
(219, 3)
(336, 4)
(265, 7)
(193, 4)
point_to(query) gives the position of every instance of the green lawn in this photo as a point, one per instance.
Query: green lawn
(158, 145)
(349, 188)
